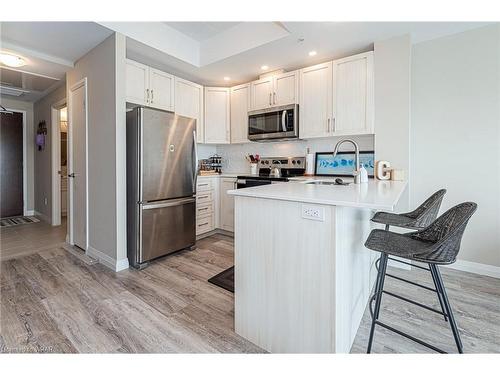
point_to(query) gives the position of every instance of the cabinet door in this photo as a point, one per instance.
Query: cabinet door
(189, 103)
(161, 90)
(261, 93)
(240, 102)
(353, 95)
(315, 101)
(227, 204)
(217, 103)
(136, 82)
(286, 88)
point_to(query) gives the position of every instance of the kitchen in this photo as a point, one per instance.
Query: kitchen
(228, 201)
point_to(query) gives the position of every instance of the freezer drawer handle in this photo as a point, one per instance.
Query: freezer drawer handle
(177, 202)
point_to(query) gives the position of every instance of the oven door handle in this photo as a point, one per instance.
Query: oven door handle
(284, 121)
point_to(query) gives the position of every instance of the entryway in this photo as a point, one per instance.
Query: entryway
(12, 151)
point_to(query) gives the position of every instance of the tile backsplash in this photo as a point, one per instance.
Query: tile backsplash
(233, 156)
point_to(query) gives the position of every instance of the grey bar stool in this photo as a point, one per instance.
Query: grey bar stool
(435, 245)
(419, 218)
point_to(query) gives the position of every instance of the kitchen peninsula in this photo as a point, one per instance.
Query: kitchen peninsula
(302, 274)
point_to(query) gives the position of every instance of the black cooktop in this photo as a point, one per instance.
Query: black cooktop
(264, 178)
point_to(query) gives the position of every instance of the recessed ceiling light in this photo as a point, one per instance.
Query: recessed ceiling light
(11, 60)
(264, 67)
(312, 53)
(227, 78)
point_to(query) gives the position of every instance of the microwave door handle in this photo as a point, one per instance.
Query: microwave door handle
(283, 121)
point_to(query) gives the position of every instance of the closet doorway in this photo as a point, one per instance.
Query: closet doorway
(59, 163)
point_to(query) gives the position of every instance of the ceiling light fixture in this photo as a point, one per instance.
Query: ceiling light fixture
(264, 67)
(12, 60)
(227, 78)
(312, 53)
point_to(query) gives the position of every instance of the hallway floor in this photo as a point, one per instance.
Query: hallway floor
(25, 239)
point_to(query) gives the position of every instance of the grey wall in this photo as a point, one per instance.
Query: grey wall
(43, 159)
(456, 131)
(106, 118)
(30, 145)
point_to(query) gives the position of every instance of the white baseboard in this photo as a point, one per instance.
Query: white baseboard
(115, 265)
(43, 217)
(29, 213)
(477, 268)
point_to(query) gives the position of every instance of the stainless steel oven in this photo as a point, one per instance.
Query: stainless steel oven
(274, 123)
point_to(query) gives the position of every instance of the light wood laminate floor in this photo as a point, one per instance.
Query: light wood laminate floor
(51, 301)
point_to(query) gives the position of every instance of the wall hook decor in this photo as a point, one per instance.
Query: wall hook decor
(41, 134)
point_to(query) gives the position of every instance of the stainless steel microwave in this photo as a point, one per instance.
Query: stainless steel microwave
(274, 123)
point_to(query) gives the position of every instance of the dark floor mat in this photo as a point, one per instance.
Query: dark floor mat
(225, 279)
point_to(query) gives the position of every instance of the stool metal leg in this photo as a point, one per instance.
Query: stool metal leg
(447, 305)
(379, 289)
(439, 294)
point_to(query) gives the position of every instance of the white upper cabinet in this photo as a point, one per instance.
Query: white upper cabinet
(276, 90)
(189, 103)
(353, 95)
(240, 103)
(261, 93)
(148, 86)
(161, 90)
(137, 82)
(286, 88)
(217, 115)
(315, 101)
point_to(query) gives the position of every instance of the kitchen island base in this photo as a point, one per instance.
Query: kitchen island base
(302, 282)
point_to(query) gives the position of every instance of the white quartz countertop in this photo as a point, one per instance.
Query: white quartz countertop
(375, 194)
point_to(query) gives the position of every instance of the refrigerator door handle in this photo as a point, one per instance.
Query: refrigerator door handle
(169, 203)
(195, 161)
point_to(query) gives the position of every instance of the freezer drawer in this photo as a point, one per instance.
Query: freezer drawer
(167, 226)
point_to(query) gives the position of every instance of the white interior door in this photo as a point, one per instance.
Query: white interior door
(78, 164)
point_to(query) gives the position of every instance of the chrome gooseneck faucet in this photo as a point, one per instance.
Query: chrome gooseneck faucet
(356, 174)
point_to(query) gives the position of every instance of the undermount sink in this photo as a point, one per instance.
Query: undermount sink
(321, 183)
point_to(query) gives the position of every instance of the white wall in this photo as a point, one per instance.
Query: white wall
(105, 74)
(233, 156)
(43, 158)
(455, 132)
(392, 105)
(20, 105)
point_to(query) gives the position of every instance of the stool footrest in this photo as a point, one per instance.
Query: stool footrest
(418, 341)
(414, 302)
(411, 282)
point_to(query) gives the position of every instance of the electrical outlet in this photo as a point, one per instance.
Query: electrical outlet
(313, 212)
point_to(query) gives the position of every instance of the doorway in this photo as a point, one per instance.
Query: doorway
(77, 165)
(59, 147)
(12, 166)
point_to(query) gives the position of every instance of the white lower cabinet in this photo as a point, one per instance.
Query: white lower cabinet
(227, 204)
(205, 205)
(214, 207)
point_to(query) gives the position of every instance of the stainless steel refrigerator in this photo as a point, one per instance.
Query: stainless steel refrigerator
(161, 184)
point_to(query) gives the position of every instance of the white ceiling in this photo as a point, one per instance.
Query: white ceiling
(51, 48)
(201, 31)
(283, 50)
(205, 52)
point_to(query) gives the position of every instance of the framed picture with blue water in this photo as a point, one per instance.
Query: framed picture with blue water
(343, 164)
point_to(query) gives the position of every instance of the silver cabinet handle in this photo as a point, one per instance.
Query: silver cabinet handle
(270, 96)
(151, 96)
(334, 125)
(328, 125)
(274, 98)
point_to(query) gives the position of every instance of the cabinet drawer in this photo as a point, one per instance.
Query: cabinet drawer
(204, 184)
(204, 210)
(204, 197)
(204, 224)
